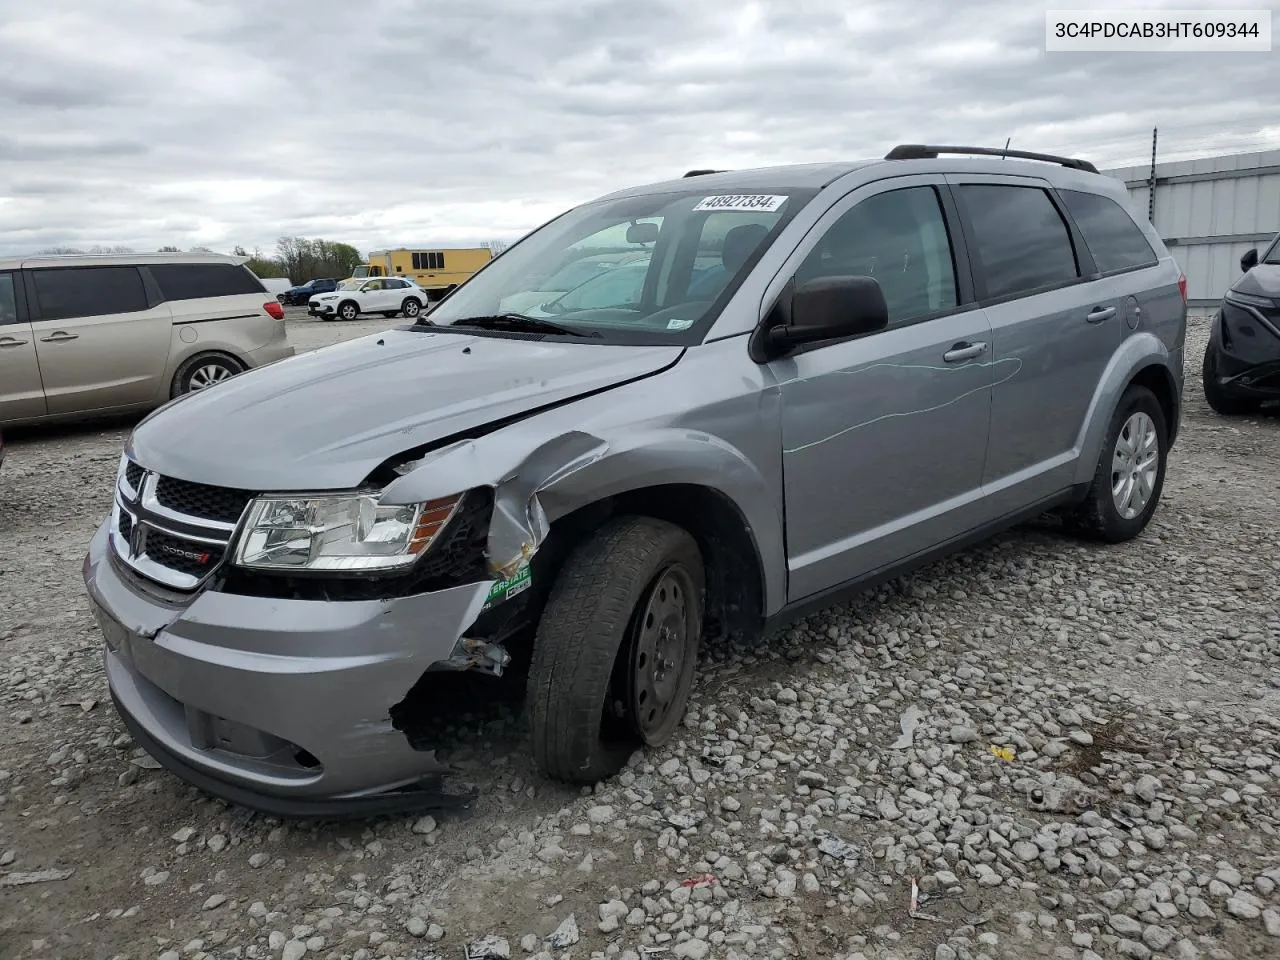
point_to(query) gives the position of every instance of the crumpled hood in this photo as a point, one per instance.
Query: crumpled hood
(1262, 281)
(327, 419)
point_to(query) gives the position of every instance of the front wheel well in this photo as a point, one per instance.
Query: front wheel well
(734, 573)
(1159, 381)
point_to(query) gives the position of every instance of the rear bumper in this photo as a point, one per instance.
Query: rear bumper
(269, 354)
(278, 705)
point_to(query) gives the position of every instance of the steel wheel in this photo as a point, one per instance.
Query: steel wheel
(660, 651)
(1134, 464)
(207, 374)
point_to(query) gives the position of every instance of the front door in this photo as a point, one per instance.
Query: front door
(21, 391)
(101, 345)
(884, 435)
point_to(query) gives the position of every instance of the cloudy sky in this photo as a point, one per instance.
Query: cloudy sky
(407, 122)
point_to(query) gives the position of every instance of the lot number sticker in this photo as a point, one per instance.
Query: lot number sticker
(761, 202)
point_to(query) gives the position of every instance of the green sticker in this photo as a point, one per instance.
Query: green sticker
(506, 589)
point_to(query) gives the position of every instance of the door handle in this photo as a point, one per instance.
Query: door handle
(1098, 314)
(964, 351)
(59, 337)
(11, 342)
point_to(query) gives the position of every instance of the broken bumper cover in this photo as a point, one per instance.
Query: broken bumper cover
(278, 705)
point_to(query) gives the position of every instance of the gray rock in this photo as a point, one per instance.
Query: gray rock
(1147, 787)
(565, 935)
(962, 734)
(294, 950)
(1157, 938)
(491, 947)
(600, 814)
(424, 825)
(416, 926)
(1124, 925)
(1271, 922)
(692, 949)
(1243, 907)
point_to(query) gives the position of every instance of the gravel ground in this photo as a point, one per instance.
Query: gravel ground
(1074, 749)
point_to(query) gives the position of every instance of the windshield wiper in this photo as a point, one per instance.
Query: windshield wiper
(519, 323)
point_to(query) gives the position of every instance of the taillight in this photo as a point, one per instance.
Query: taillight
(1182, 287)
(274, 309)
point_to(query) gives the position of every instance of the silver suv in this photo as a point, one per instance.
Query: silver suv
(831, 373)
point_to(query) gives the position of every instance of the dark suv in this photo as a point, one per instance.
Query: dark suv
(1242, 362)
(299, 295)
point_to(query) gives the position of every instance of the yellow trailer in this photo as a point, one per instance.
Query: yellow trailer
(437, 271)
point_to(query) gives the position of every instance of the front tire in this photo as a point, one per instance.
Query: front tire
(1129, 477)
(1218, 400)
(616, 648)
(348, 310)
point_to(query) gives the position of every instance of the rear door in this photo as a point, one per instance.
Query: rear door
(21, 391)
(1053, 332)
(102, 341)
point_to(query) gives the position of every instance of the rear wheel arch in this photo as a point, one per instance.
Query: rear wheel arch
(1157, 378)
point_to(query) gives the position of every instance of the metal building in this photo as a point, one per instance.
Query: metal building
(1209, 212)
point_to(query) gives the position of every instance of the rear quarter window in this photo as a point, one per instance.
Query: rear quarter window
(1116, 242)
(196, 281)
(67, 292)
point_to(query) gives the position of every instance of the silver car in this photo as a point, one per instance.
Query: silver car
(898, 358)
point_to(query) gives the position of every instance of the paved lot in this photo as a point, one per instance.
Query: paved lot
(1137, 689)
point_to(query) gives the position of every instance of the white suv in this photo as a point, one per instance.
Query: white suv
(385, 295)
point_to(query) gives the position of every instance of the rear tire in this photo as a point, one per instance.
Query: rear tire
(1129, 477)
(1219, 401)
(203, 371)
(410, 308)
(616, 648)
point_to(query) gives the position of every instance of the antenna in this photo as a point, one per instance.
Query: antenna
(1005, 154)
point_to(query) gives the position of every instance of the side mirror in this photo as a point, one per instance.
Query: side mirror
(642, 233)
(831, 307)
(1249, 260)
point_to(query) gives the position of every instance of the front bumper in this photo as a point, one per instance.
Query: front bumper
(1246, 354)
(321, 309)
(278, 705)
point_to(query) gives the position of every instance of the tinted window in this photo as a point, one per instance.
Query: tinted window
(900, 239)
(1022, 242)
(88, 291)
(195, 281)
(8, 300)
(1115, 241)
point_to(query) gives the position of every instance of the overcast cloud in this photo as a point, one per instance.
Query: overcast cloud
(405, 122)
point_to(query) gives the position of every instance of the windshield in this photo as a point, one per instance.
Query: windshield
(350, 284)
(651, 268)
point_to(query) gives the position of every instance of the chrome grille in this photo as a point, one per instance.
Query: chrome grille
(172, 531)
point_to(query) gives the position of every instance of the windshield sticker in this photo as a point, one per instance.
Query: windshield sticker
(677, 324)
(757, 202)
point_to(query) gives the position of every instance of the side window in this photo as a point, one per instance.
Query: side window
(1021, 241)
(900, 239)
(8, 300)
(65, 292)
(1116, 242)
(195, 281)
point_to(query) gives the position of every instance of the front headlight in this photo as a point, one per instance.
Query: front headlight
(351, 533)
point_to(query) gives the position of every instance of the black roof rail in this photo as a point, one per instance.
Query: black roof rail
(921, 151)
(700, 173)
